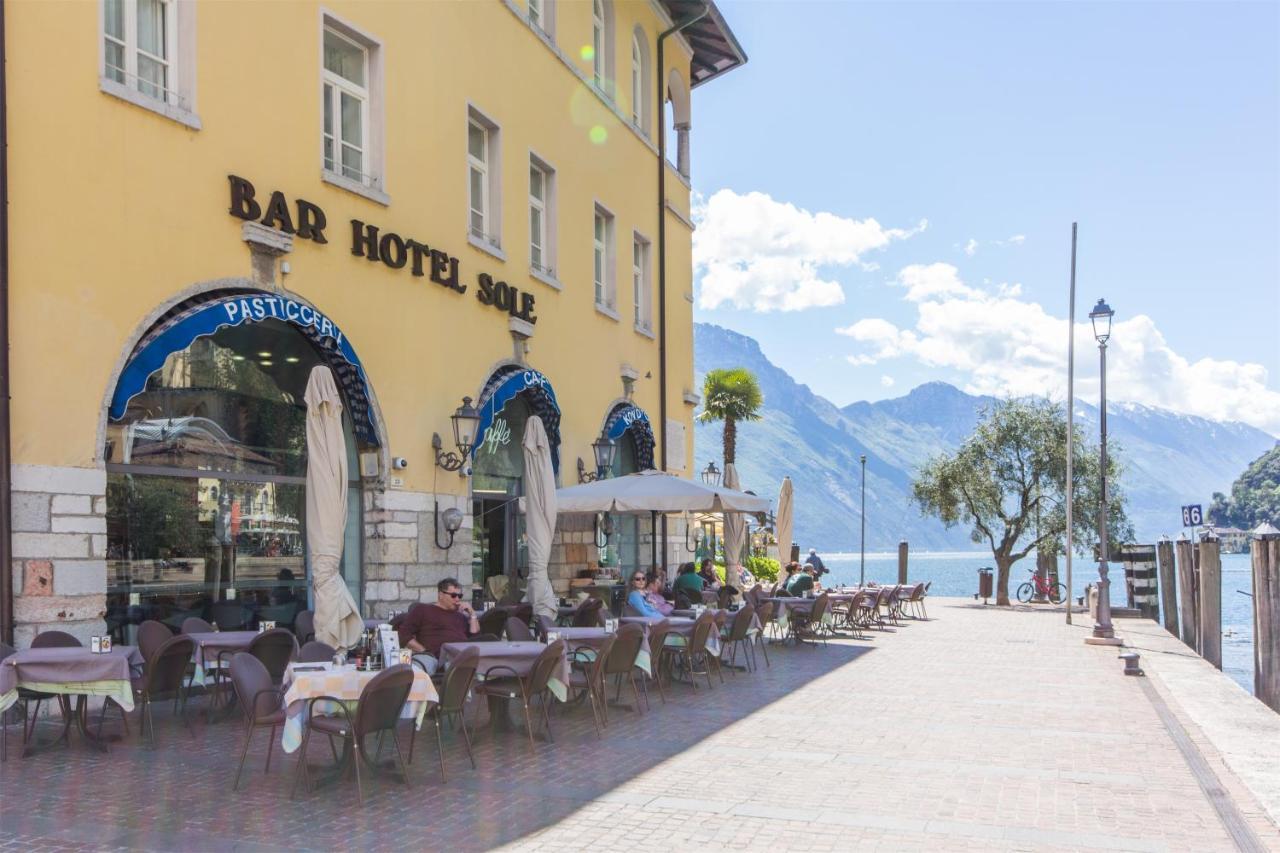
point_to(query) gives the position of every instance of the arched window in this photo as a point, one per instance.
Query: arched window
(206, 483)
(676, 108)
(640, 81)
(602, 46)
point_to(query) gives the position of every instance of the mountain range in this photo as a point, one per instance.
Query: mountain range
(1168, 459)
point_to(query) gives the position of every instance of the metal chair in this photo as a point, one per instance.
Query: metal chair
(589, 614)
(764, 615)
(262, 704)
(621, 661)
(659, 655)
(453, 703)
(380, 705)
(696, 649)
(738, 634)
(587, 676)
(275, 648)
(315, 651)
(165, 672)
(493, 621)
(304, 626)
(537, 684)
(48, 640)
(518, 631)
(151, 636)
(196, 625)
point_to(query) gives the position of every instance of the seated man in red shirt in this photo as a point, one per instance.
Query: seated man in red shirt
(427, 627)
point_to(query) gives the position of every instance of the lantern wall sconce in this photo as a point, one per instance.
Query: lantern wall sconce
(604, 449)
(452, 524)
(711, 475)
(694, 534)
(466, 421)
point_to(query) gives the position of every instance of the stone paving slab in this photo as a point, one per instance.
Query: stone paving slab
(980, 729)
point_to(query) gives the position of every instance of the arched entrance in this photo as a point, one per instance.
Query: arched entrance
(206, 462)
(510, 397)
(629, 427)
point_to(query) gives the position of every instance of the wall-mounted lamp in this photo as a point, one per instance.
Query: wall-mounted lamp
(692, 542)
(603, 529)
(466, 420)
(452, 524)
(604, 449)
(711, 476)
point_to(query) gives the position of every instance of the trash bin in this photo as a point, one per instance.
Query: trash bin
(985, 584)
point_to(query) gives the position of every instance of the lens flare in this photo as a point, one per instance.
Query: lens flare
(598, 135)
(587, 52)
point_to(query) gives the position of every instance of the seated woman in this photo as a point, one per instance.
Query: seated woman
(653, 593)
(689, 582)
(638, 599)
(784, 584)
(708, 573)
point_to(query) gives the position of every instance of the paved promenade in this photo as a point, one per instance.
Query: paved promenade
(980, 729)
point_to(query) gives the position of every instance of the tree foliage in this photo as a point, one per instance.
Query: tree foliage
(730, 394)
(1008, 482)
(1255, 497)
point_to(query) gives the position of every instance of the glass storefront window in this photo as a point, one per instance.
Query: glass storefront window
(206, 487)
(497, 480)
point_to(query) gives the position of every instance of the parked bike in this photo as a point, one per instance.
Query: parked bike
(1041, 588)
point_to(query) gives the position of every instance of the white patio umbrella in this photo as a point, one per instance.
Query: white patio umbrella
(655, 491)
(337, 620)
(783, 525)
(539, 515)
(734, 532)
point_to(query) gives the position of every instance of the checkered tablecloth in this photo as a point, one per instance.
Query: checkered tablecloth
(345, 684)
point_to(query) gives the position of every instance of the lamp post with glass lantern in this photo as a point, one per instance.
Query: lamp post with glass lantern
(1101, 318)
(862, 544)
(711, 476)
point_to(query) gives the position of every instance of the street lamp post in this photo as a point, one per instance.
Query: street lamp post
(862, 545)
(1101, 317)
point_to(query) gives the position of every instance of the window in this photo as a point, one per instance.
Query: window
(542, 16)
(602, 73)
(640, 290)
(148, 47)
(602, 247)
(541, 218)
(483, 173)
(640, 84)
(346, 107)
(351, 87)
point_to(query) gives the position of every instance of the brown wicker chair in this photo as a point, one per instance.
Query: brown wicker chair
(590, 614)
(764, 615)
(151, 636)
(493, 621)
(453, 703)
(739, 633)
(48, 640)
(164, 674)
(196, 625)
(587, 676)
(518, 631)
(696, 649)
(314, 651)
(537, 684)
(381, 702)
(275, 648)
(621, 660)
(807, 625)
(524, 612)
(262, 704)
(304, 626)
(659, 656)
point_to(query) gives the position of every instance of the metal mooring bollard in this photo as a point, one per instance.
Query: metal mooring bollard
(1131, 663)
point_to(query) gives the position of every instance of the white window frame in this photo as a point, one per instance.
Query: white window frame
(602, 66)
(178, 100)
(490, 237)
(372, 183)
(642, 283)
(543, 20)
(547, 271)
(604, 291)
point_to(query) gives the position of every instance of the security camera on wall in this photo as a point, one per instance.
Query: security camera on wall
(399, 463)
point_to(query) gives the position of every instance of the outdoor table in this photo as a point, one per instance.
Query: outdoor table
(681, 630)
(209, 644)
(784, 605)
(593, 638)
(72, 671)
(517, 657)
(343, 683)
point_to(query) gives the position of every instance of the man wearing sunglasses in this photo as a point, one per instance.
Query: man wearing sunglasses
(427, 627)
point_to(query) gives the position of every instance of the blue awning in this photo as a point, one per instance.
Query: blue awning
(206, 318)
(630, 420)
(537, 390)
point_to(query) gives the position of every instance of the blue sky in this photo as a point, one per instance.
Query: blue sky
(1155, 125)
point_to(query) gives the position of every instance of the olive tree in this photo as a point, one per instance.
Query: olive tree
(1007, 481)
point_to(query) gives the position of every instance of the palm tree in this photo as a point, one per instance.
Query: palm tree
(730, 394)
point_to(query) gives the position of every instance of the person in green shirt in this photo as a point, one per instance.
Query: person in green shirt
(689, 582)
(801, 582)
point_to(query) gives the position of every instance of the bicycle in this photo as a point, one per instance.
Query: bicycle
(1055, 592)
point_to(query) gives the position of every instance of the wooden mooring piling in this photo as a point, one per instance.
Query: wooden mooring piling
(1266, 617)
(1210, 599)
(1168, 585)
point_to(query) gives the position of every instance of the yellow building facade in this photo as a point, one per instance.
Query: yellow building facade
(435, 200)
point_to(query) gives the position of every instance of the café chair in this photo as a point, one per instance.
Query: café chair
(659, 657)
(196, 625)
(764, 614)
(537, 684)
(48, 640)
(589, 614)
(377, 712)
(452, 704)
(518, 631)
(304, 626)
(275, 648)
(493, 621)
(739, 633)
(228, 614)
(587, 677)
(688, 655)
(315, 651)
(164, 674)
(151, 636)
(621, 662)
(262, 703)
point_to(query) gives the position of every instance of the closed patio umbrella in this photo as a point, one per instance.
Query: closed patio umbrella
(734, 532)
(539, 515)
(783, 524)
(337, 619)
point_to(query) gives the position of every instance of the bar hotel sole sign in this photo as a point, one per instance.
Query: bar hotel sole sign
(369, 242)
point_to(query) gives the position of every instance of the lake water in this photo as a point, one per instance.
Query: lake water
(955, 573)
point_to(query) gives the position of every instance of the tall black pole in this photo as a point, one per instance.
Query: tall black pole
(862, 546)
(1102, 627)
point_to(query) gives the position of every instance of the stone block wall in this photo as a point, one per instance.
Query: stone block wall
(59, 551)
(573, 549)
(402, 563)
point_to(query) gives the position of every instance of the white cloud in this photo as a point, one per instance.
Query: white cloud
(887, 381)
(971, 248)
(1015, 240)
(1005, 345)
(764, 255)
